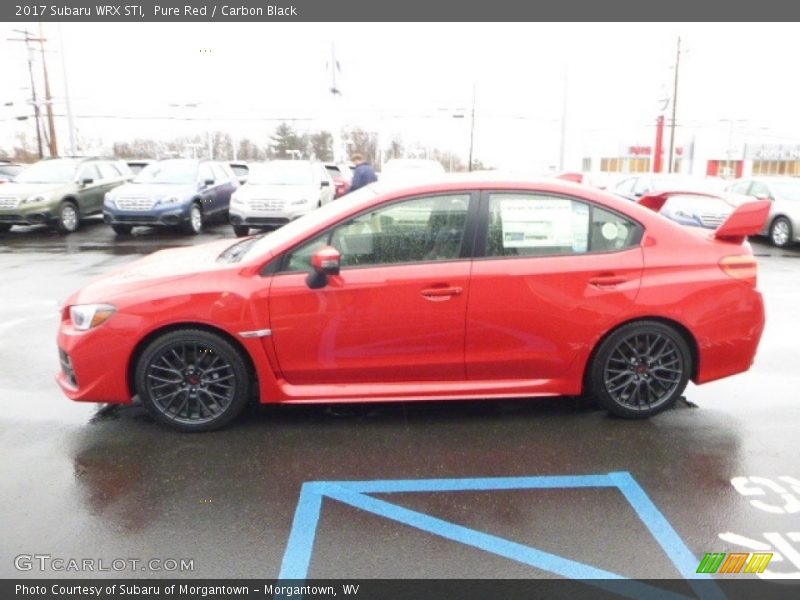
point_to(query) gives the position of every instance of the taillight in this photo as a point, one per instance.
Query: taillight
(740, 267)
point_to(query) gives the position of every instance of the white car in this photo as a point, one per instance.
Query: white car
(277, 192)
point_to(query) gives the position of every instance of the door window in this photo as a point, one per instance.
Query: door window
(542, 225)
(205, 173)
(419, 230)
(108, 171)
(88, 172)
(740, 187)
(219, 173)
(760, 190)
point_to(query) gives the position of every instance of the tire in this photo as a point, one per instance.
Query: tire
(5, 227)
(640, 369)
(69, 218)
(122, 229)
(192, 380)
(241, 230)
(195, 223)
(780, 232)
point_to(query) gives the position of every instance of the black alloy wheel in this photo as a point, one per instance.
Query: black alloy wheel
(641, 369)
(192, 380)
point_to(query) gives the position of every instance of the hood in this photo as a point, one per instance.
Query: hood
(155, 190)
(25, 190)
(277, 192)
(163, 267)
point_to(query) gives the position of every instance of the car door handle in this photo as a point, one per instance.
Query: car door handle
(602, 281)
(441, 293)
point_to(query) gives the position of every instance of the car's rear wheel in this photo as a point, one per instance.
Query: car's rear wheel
(195, 223)
(241, 230)
(122, 229)
(192, 380)
(780, 232)
(640, 369)
(68, 217)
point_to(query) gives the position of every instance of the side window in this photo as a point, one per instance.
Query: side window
(542, 225)
(626, 185)
(611, 231)
(536, 225)
(108, 171)
(219, 173)
(205, 173)
(419, 230)
(88, 172)
(760, 190)
(740, 187)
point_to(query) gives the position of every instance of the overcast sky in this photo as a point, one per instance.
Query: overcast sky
(409, 79)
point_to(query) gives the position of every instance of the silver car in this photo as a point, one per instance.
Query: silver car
(783, 223)
(277, 192)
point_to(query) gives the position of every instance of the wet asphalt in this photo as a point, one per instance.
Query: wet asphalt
(87, 481)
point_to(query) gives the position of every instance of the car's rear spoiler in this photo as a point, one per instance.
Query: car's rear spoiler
(656, 201)
(748, 219)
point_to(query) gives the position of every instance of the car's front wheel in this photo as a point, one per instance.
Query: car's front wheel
(192, 380)
(640, 369)
(68, 217)
(780, 232)
(4, 227)
(241, 230)
(195, 223)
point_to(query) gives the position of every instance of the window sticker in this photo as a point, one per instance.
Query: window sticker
(543, 223)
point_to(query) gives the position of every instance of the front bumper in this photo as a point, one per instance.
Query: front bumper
(238, 216)
(34, 216)
(168, 216)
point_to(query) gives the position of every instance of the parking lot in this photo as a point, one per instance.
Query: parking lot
(103, 482)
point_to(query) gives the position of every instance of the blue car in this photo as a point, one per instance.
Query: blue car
(180, 193)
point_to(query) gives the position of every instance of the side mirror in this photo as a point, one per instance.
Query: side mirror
(325, 262)
(324, 183)
(209, 182)
(87, 181)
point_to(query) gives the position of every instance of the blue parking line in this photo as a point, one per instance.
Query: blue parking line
(299, 549)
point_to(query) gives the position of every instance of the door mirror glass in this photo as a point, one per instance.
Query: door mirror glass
(208, 182)
(325, 183)
(87, 181)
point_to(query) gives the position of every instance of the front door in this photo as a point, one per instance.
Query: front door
(396, 313)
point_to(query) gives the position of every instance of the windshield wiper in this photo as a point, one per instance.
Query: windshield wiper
(235, 252)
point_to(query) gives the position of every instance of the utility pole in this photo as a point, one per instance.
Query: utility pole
(471, 128)
(48, 98)
(335, 108)
(73, 146)
(670, 165)
(28, 39)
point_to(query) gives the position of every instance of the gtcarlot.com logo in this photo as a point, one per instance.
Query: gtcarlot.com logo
(47, 562)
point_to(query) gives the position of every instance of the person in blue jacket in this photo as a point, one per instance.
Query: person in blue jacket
(363, 175)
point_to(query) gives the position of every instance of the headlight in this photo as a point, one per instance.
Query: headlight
(237, 200)
(86, 316)
(33, 200)
(169, 200)
(301, 201)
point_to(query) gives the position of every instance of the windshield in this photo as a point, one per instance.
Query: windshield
(787, 190)
(298, 227)
(168, 171)
(281, 172)
(48, 171)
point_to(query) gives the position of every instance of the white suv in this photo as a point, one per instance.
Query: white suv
(277, 192)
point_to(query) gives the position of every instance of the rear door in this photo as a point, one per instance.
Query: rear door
(551, 274)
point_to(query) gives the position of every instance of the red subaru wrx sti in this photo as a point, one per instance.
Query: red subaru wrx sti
(454, 290)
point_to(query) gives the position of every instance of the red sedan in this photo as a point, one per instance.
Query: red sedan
(453, 290)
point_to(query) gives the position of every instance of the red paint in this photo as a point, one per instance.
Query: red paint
(482, 328)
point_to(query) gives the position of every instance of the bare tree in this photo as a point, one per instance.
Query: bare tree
(364, 143)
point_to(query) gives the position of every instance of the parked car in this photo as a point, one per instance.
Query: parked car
(636, 186)
(137, 164)
(411, 170)
(342, 175)
(59, 192)
(783, 224)
(460, 289)
(697, 209)
(8, 171)
(174, 192)
(278, 192)
(241, 170)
